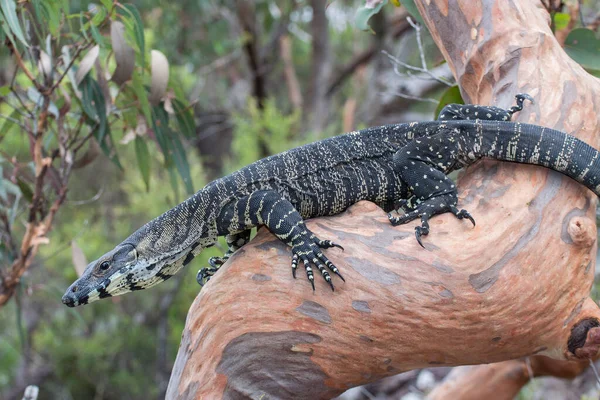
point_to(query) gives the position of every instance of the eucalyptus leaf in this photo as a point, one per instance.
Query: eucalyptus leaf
(583, 46)
(451, 95)
(364, 13)
(185, 118)
(143, 159)
(9, 11)
(124, 54)
(159, 78)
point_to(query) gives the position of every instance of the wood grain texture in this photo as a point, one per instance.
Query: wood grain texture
(513, 286)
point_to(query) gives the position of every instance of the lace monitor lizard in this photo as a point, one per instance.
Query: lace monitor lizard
(402, 164)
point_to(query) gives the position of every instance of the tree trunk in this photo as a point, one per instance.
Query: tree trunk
(318, 105)
(516, 285)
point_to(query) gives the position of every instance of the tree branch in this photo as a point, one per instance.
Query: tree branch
(516, 285)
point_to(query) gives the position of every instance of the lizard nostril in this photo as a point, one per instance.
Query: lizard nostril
(74, 289)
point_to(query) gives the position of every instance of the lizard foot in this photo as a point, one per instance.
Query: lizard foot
(461, 214)
(204, 275)
(428, 208)
(310, 253)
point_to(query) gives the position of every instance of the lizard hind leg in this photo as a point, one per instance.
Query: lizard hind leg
(428, 208)
(433, 193)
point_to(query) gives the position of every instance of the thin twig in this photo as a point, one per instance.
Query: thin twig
(14, 91)
(87, 201)
(410, 97)
(22, 65)
(427, 73)
(14, 121)
(68, 67)
(417, 29)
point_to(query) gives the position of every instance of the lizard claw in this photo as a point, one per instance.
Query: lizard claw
(462, 214)
(294, 265)
(420, 231)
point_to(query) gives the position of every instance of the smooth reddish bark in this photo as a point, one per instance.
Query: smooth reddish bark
(513, 286)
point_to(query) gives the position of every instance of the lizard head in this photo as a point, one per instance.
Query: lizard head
(119, 271)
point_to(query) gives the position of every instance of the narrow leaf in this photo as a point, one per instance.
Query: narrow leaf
(78, 257)
(451, 95)
(181, 162)
(160, 126)
(185, 118)
(143, 159)
(8, 124)
(86, 64)
(94, 106)
(9, 10)
(45, 64)
(142, 96)
(160, 76)
(138, 30)
(25, 189)
(124, 54)
(108, 148)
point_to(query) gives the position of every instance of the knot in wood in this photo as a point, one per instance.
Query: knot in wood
(582, 231)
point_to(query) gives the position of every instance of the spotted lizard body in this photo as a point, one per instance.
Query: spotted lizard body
(401, 165)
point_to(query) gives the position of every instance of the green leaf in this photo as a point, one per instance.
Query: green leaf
(413, 10)
(4, 90)
(49, 13)
(108, 148)
(94, 105)
(583, 46)
(451, 95)
(185, 118)
(25, 189)
(98, 38)
(99, 16)
(181, 162)
(9, 10)
(174, 183)
(138, 30)
(142, 96)
(160, 126)
(143, 159)
(364, 13)
(8, 124)
(171, 146)
(561, 20)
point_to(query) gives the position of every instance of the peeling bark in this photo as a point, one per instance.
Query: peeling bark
(514, 286)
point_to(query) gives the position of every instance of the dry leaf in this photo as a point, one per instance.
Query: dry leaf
(87, 63)
(160, 76)
(44, 64)
(124, 54)
(79, 260)
(129, 136)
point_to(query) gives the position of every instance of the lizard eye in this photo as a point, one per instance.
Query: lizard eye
(104, 265)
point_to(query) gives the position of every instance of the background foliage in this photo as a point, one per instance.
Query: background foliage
(114, 112)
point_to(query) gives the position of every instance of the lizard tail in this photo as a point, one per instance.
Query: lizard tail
(537, 145)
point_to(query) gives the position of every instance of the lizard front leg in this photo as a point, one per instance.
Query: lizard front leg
(269, 208)
(234, 242)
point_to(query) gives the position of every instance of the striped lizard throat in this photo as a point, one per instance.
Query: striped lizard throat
(152, 254)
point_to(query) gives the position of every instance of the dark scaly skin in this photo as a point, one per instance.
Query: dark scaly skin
(385, 165)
